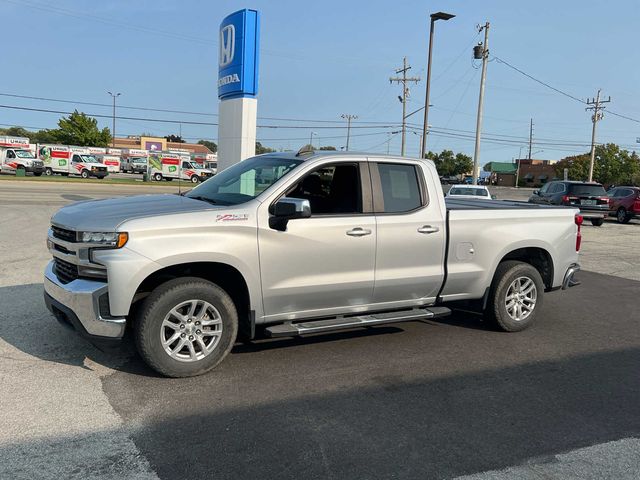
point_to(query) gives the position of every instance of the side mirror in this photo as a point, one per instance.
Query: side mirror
(536, 192)
(287, 209)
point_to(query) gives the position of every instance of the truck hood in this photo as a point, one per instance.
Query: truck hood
(105, 215)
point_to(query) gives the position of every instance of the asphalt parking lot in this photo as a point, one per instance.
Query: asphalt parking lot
(442, 399)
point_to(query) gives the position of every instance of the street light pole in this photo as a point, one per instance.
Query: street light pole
(311, 138)
(434, 17)
(113, 132)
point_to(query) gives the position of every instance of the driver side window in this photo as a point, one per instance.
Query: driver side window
(10, 154)
(76, 159)
(331, 190)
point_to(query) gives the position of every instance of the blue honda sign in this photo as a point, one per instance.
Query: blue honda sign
(238, 59)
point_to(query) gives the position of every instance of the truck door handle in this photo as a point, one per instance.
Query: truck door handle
(358, 232)
(428, 229)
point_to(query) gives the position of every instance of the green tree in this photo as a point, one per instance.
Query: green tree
(447, 163)
(82, 130)
(262, 149)
(174, 139)
(41, 136)
(328, 147)
(209, 144)
(612, 165)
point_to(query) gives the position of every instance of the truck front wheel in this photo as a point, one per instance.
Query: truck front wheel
(186, 327)
(515, 297)
(84, 174)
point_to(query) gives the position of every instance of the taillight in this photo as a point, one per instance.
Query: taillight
(578, 219)
(636, 205)
(565, 199)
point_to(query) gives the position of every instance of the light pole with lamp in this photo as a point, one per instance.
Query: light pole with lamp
(113, 133)
(434, 18)
(311, 139)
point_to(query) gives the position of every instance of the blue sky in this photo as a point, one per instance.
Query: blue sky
(322, 59)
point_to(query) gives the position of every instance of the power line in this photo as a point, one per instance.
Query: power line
(499, 60)
(190, 122)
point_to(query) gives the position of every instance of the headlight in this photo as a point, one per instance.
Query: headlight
(105, 239)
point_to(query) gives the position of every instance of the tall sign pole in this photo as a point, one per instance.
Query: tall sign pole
(484, 52)
(238, 87)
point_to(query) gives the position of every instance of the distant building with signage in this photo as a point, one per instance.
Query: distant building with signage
(532, 172)
(160, 143)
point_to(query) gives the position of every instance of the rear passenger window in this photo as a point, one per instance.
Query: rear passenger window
(400, 187)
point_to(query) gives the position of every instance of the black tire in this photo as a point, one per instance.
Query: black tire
(37, 174)
(597, 222)
(622, 216)
(48, 171)
(496, 313)
(84, 174)
(169, 179)
(195, 179)
(148, 325)
(157, 177)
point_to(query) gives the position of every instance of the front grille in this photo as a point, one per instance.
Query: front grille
(64, 250)
(64, 234)
(65, 271)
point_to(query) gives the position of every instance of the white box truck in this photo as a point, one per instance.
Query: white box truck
(110, 157)
(15, 155)
(170, 165)
(70, 161)
(134, 160)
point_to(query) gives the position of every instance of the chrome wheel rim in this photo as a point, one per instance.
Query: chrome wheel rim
(191, 330)
(621, 215)
(521, 297)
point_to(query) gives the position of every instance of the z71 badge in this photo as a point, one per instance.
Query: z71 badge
(232, 217)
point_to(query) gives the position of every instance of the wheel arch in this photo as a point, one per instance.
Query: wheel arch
(537, 257)
(226, 276)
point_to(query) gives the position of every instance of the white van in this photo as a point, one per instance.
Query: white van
(170, 165)
(70, 161)
(15, 155)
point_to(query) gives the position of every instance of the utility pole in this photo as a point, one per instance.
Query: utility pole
(480, 51)
(530, 137)
(596, 107)
(113, 132)
(348, 117)
(403, 99)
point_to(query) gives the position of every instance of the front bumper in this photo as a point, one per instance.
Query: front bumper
(77, 304)
(35, 169)
(569, 280)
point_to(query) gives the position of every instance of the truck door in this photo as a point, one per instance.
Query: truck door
(410, 234)
(324, 264)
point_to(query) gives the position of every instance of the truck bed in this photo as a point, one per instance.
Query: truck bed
(470, 204)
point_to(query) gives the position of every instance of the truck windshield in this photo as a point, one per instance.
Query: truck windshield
(139, 160)
(89, 159)
(23, 154)
(244, 181)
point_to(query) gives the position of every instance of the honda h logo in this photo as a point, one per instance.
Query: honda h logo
(227, 45)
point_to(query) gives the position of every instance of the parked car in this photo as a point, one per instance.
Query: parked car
(449, 180)
(624, 203)
(314, 243)
(470, 191)
(590, 198)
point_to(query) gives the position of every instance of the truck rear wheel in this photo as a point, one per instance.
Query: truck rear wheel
(186, 327)
(157, 177)
(597, 222)
(515, 297)
(48, 171)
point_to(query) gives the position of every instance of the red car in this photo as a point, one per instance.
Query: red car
(624, 203)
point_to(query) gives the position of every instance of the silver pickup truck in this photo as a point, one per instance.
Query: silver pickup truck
(295, 244)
